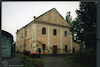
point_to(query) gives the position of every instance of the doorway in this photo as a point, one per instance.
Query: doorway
(65, 48)
(54, 50)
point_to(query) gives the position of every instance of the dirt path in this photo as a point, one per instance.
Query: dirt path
(16, 61)
(54, 61)
(48, 61)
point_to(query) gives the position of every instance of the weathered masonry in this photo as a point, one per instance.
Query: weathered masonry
(49, 32)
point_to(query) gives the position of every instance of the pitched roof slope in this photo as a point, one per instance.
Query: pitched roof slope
(52, 16)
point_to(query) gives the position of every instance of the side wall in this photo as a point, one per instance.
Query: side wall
(20, 40)
(76, 46)
(24, 38)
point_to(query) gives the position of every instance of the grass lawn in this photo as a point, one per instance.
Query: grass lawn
(31, 62)
(73, 63)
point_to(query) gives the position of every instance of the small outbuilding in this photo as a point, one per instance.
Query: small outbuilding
(7, 40)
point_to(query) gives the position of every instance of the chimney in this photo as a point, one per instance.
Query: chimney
(17, 30)
(34, 18)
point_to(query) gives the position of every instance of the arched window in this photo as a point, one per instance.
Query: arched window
(65, 33)
(43, 31)
(54, 32)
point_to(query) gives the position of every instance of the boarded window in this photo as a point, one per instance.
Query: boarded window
(43, 31)
(54, 32)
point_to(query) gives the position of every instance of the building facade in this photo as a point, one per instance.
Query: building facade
(7, 40)
(49, 32)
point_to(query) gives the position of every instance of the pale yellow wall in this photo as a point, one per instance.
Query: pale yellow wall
(66, 39)
(54, 39)
(53, 17)
(22, 39)
(77, 47)
(43, 38)
(28, 38)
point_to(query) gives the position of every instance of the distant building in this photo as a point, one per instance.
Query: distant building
(49, 33)
(7, 40)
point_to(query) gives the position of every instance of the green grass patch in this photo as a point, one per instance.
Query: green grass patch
(29, 59)
(28, 62)
(73, 63)
(36, 63)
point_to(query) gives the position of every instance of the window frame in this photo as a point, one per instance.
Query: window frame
(44, 31)
(65, 33)
(54, 32)
(43, 46)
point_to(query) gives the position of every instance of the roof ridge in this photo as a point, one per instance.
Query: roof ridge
(51, 10)
(45, 12)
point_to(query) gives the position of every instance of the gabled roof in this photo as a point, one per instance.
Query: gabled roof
(45, 13)
(52, 16)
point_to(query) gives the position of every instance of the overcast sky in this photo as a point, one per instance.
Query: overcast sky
(15, 15)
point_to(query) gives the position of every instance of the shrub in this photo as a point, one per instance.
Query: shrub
(26, 53)
(28, 58)
(87, 57)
